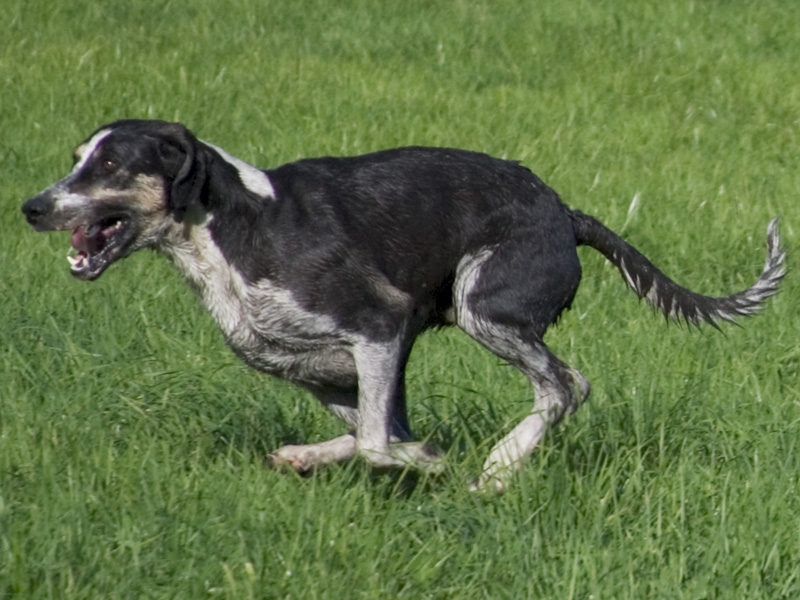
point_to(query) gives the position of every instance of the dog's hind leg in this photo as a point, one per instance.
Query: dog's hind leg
(559, 390)
(508, 312)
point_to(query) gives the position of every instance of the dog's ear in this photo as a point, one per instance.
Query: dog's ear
(185, 163)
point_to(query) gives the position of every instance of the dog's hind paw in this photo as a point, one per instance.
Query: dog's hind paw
(488, 485)
(421, 456)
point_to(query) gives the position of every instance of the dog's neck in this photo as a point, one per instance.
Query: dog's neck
(220, 286)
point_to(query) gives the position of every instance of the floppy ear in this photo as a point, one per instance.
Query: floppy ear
(185, 161)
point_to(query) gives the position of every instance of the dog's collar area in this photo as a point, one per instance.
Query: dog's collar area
(252, 178)
(94, 247)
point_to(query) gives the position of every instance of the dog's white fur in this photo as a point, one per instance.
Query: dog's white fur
(252, 178)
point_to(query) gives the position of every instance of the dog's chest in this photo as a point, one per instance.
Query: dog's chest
(263, 323)
(274, 334)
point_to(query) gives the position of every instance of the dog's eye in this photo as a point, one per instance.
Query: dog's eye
(109, 165)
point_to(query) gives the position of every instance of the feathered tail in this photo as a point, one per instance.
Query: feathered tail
(675, 301)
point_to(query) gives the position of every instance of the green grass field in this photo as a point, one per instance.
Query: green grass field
(132, 441)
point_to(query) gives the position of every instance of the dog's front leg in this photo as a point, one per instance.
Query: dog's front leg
(380, 369)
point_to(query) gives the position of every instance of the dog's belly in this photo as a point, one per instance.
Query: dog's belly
(316, 365)
(272, 333)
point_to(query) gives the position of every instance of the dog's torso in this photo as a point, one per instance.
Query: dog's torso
(261, 321)
(324, 271)
(296, 279)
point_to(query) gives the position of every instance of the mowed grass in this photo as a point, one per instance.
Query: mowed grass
(132, 442)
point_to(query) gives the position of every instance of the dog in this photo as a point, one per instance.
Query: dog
(324, 271)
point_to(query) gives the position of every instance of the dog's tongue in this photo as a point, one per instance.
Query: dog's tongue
(88, 242)
(79, 240)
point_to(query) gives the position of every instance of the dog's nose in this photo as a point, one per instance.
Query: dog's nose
(37, 207)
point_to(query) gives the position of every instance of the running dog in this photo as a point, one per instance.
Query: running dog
(324, 271)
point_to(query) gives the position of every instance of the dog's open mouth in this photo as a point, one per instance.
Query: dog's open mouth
(96, 246)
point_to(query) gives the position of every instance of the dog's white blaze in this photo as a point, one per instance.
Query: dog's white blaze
(252, 178)
(68, 200)
(85, 150)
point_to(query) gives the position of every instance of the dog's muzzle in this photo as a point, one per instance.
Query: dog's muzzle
(97, 240)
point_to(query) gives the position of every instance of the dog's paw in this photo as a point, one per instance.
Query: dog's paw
(296, 458)
(415, 455)
(421, 456)
(487, 485)
(307, 457)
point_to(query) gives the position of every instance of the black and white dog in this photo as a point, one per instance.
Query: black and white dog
(324, 271)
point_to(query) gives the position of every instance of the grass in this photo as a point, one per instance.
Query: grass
(132, 441)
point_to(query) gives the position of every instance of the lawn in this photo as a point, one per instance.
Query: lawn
(133, 442)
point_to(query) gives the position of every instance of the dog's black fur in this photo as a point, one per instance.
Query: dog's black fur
(324, 271)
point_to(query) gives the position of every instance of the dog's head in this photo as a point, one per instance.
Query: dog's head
(131, 183)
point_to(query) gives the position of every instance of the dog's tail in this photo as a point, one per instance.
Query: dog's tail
(675, 301)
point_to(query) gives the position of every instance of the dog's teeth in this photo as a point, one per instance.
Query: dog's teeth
(78, 261)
